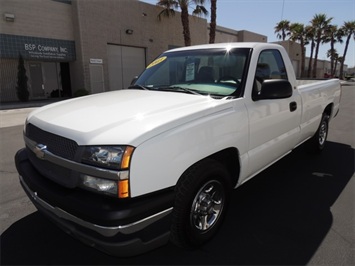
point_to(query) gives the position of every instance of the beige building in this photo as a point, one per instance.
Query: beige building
(95, 45)
(324, 68)
(294, 51)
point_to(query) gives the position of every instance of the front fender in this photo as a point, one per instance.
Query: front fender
(159, 162)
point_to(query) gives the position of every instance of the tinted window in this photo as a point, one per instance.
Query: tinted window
(270, 66)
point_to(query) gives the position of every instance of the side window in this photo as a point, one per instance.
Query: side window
(270, 66)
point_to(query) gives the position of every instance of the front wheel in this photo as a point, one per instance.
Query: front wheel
(202, 195)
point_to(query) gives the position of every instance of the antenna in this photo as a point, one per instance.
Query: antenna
(282, 11)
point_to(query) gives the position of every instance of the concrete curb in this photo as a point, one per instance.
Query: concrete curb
(29, 104)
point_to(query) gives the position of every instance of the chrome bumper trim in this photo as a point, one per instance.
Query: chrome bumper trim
(102, 230)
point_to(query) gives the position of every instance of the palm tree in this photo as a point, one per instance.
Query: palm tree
(169, 10)
(298, 33)
(340, 60)
(332, 35)
(320, 22)
(334, 57)
(282, 29)
(310, 33)
(348, 29)
(213, 21)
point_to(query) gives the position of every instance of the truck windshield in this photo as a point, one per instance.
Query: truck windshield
(215, 72)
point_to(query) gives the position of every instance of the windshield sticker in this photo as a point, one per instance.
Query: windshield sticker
(156, 61)
(190, 72)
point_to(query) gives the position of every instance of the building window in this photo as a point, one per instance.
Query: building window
(63, 1)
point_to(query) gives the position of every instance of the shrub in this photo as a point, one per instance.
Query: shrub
(56, 94)
(81, 92)
(22, 87)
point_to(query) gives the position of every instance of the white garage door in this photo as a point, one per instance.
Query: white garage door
(124, 63)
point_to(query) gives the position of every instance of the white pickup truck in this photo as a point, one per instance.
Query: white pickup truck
(127, 171)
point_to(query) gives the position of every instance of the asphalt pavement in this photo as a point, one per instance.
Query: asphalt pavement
(300, 211)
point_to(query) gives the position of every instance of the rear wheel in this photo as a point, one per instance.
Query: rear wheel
(317, 142)
(202, 195)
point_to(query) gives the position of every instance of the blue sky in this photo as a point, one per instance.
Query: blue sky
(261, 16)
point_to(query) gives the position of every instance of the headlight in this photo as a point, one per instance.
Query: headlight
(109, 157)
(100, 185)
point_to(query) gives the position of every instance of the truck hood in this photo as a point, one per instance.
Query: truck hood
(122, 117)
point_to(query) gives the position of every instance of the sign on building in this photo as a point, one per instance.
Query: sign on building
(34, 48)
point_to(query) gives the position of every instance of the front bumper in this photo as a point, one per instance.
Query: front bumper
(116, 227)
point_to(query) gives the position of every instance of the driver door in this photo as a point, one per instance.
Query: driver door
(273, 123)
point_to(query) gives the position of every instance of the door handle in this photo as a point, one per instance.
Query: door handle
(293, 106)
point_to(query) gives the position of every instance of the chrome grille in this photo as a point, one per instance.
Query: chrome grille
(56, 173)
(58, 145)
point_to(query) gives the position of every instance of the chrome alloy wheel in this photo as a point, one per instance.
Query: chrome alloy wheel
(323, 130)
(207, 206)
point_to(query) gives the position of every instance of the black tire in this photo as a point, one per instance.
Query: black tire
(318, 141)
(202, 194)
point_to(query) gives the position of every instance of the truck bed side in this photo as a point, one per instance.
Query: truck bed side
(317, 97)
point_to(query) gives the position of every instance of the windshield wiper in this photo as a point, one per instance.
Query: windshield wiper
(179, 89)
(138, 86)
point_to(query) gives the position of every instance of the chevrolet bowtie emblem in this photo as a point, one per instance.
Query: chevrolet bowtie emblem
(39, 150)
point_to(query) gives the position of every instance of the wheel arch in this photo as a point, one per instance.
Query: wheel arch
(328, 110)
(230, 159)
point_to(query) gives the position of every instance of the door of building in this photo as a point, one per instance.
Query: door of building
(65, 77)
(97, 78)
(36, 80)
(124, 63)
